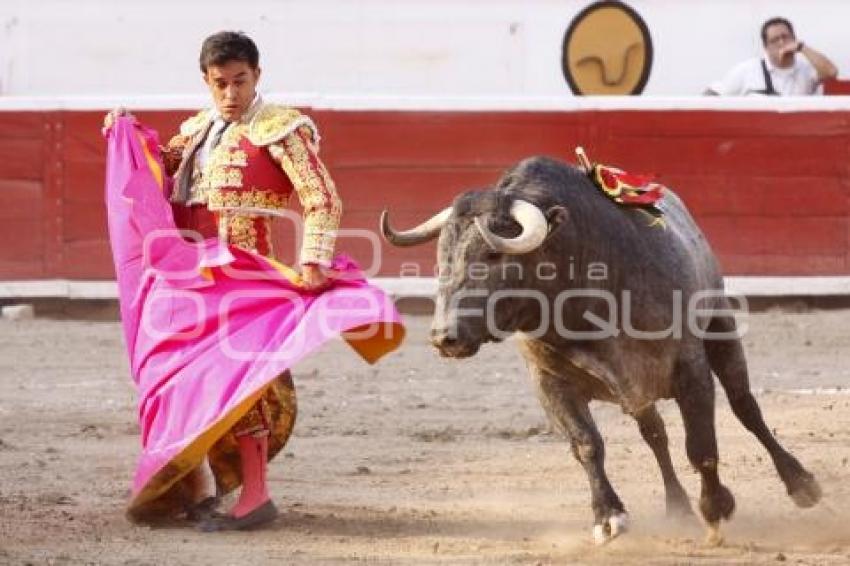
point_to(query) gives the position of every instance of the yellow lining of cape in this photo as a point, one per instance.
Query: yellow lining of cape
(376, 345)
(290, 274)
(153, 164)
(191, 456)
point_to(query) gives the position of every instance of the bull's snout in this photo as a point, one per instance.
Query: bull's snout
(449, 345)
(441, 338)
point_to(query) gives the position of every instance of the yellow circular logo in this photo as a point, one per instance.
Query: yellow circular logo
(607, 50)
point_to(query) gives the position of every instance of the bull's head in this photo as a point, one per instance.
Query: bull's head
(485, 242)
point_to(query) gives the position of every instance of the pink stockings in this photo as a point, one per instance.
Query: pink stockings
(253, 450)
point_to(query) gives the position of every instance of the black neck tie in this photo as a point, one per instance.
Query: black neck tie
(216, 139)
(186, 172)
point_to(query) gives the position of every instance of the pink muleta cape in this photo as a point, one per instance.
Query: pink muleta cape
(208, 326)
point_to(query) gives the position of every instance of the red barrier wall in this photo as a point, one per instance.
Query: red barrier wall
(771, 190)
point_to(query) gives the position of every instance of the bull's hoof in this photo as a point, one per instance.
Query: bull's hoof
(805, 490)
(719, 505)
(611, 528)
(727, 503)
(713, 537)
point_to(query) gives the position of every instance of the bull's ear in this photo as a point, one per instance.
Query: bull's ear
(556, 217)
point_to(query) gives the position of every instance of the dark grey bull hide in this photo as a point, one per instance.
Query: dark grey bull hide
(593, 291)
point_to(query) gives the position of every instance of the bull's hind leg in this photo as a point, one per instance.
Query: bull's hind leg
(653, 432)
(569, 413)
(695, 396)
(729, 363)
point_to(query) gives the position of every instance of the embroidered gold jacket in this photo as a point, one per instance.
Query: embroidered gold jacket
(261, 160)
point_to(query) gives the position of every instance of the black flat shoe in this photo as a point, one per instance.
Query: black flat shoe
(203, 509)
(262, 515)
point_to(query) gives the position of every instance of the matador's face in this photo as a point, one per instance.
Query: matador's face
(233, 86)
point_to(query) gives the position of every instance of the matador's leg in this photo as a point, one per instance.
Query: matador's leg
(271, 418)
(252, 434)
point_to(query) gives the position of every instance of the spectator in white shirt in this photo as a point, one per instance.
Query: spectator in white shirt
(781, 72)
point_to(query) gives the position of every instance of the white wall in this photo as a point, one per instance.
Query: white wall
(404, 47)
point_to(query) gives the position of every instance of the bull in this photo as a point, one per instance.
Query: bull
(545, 213)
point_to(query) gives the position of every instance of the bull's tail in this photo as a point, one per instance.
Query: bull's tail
(727, 360)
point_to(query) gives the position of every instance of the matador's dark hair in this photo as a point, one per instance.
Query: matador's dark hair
(226, 46)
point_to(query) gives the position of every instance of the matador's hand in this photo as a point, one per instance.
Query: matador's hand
(313, 278)
(113, 114)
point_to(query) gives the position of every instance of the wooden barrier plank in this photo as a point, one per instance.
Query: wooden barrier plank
(766, 196)
(755, 235)
(22, 125)
(420, 189)
(761, 264)
(743, 157)
(84, 182)
(84, 220)
(22, 159)
(87, 259)
(446, 139)
(762, 124)
(21, 200)
(23, 241)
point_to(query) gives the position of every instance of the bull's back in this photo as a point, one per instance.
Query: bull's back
(689, 243)
(641, 256)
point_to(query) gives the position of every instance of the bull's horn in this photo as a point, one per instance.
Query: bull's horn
(426, 231)
(534, 230)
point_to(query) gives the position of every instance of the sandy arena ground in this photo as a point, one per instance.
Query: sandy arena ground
(419, 460)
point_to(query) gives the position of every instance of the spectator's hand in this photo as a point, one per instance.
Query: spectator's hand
(113, 114)
(790, 47)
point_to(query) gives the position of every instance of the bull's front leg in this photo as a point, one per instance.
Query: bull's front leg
(569, 413)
